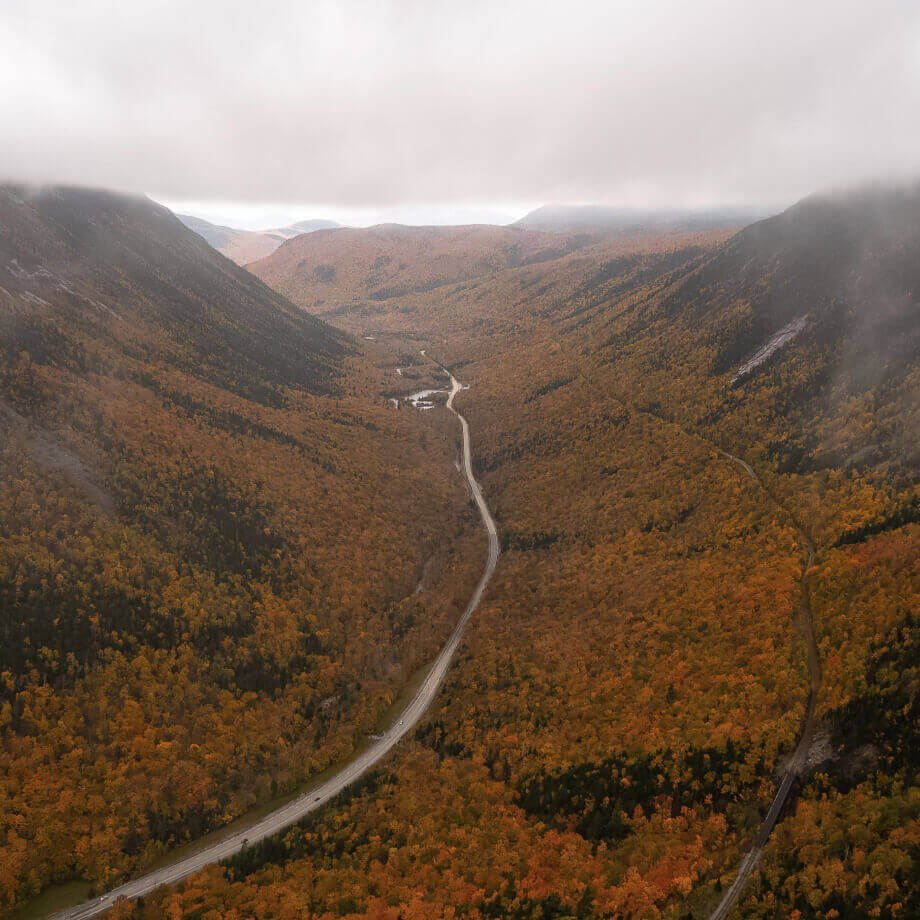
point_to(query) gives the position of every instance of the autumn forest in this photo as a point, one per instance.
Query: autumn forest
(232, 540)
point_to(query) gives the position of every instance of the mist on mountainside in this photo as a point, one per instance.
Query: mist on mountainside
(599, 218)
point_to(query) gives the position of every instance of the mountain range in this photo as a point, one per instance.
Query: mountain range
(244, 246)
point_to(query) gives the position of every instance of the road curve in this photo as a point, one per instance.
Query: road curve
(796, 762)
(297, 808)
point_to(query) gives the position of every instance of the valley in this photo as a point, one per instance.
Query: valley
(459, 461)
(250, 834)
(673, 701)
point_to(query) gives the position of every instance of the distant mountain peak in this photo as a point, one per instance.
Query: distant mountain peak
(308, 226)
(244, 246)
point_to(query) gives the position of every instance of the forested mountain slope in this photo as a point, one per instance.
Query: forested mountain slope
(123, 270)
(840, 276)
(829, 420)
(637, 675)
(212, 535)
(372, 270)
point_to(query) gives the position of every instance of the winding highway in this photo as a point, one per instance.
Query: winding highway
(319, 796)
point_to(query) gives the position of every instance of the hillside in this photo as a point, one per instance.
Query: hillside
(210, 584)
(243, 246)
(638, 674)
(811, 316)
(371, 270)
(637, 382)
(114, 267)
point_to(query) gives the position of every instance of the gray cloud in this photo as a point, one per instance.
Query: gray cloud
(376, 104)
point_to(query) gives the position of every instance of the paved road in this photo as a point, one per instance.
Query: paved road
(310, 801)
(796, 763)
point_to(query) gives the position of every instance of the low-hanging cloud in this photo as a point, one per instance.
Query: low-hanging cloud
(357, 104)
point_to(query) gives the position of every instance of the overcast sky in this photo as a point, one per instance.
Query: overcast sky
(353, 110)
